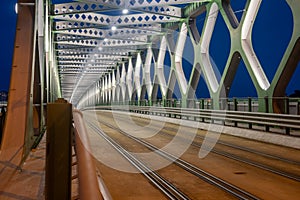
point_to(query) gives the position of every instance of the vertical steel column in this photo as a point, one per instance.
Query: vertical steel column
(58, 152)
(147, 74)
(113, 87)
(118, 85)
(129, 80)
(109, 90)
(160, 69)
(137, 78)
(123, 83)
(17, 120)
(178, 69)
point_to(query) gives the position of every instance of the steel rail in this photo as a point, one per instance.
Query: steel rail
(253, 163)
(167, 188)
(255, 152)
(235, 191)
(250, 162)
(294, 162)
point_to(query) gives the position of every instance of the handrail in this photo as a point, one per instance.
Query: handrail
(88, 182)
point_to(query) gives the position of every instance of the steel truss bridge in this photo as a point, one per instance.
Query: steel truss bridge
(101, 55)
(98, 52)
(94, 52)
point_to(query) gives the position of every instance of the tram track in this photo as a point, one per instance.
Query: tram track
(167, 188)
(267, 155)
(242, 159)
(252, 163)
(255, 152)
(203, 175)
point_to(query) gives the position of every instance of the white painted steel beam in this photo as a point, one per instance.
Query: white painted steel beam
(247, 45)
(160, 66)
(178, 58)
(205, 42)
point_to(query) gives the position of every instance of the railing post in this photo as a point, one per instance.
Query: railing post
(249, 104)
(58, 152)
(267, 110)
(250, 109)
(235, 104)
(287, 111)
(235, 107)
(202, 107)
(224, 104)
(287, 105)
(266, 104)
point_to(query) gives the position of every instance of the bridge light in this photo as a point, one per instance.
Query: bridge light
(16, 8)
(113, 28)
(125, 11)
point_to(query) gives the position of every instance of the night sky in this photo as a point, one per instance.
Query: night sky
(271, 34)
(8, 28)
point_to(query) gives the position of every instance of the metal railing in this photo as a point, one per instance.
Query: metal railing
(290, 105)
(3, 104)
(88, 182)
(222, 117)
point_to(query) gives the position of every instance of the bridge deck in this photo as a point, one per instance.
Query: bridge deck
(28, 182)
(126, 183)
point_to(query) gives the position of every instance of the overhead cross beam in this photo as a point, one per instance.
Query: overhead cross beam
(93, 37)
(132, 4)
(120, 21)
(66, 25)
(78, 7)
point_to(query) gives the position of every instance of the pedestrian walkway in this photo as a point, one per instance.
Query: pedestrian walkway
(28, 181)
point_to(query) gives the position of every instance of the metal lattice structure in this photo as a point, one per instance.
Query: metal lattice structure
(105, 51)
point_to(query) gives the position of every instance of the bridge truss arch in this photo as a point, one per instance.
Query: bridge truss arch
(113, 52)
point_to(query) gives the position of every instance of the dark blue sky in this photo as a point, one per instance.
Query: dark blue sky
(8, 28)
(271, 35)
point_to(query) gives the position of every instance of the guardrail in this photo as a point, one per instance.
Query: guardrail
(224, 117)
(88, 183)
(290, 105)
(3, 104)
